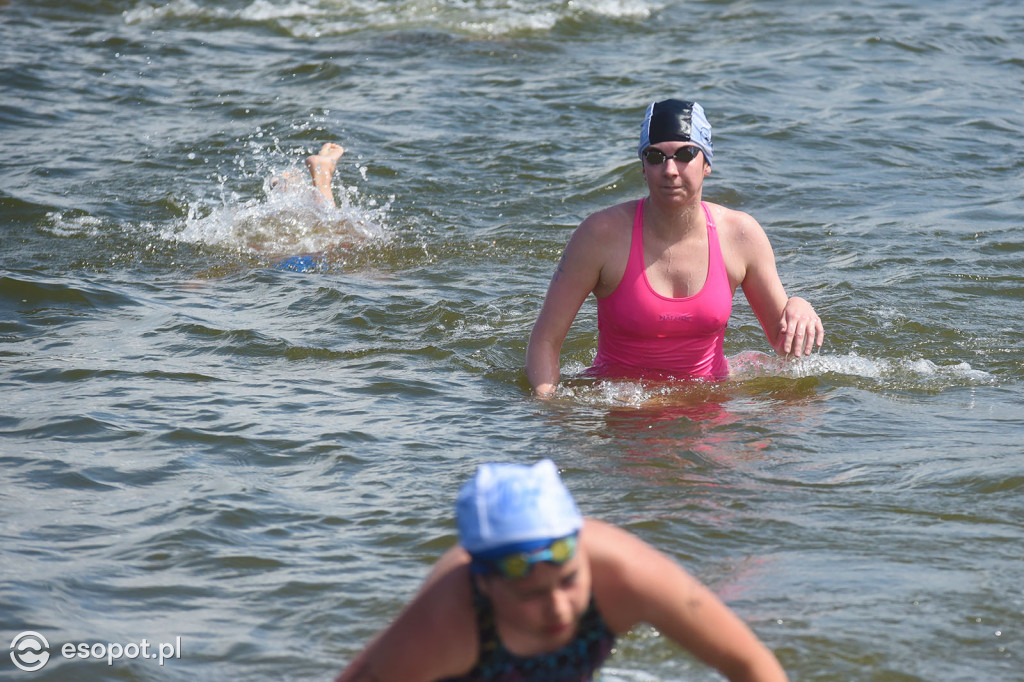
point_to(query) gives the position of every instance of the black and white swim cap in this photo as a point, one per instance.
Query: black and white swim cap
(674, 120)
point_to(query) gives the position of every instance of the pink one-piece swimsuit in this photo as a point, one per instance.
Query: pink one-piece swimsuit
(641, 332)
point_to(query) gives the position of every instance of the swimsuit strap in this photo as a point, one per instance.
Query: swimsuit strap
(707, 214)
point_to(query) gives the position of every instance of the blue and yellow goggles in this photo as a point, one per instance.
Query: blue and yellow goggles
(518, 564)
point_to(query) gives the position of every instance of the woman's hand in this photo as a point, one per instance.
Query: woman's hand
(800, 329)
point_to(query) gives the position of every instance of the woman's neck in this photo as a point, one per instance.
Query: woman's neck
(673, 221)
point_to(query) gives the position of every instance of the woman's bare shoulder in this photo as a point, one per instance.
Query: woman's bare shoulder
(609, 220)
(734, 224)
(623, 570)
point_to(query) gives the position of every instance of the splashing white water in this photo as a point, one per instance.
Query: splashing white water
(749, 366)
(289, 219)
(317, 18)
(911, 371)
(284, 223)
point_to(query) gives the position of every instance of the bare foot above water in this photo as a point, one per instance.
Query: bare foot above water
(321, 169)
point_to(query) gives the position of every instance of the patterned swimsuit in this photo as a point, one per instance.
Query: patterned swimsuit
(577, 661)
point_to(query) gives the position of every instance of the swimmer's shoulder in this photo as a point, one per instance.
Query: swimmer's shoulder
(609, 224)
(438, 627)
(733, 222)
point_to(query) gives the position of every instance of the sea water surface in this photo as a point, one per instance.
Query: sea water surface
(258, 463)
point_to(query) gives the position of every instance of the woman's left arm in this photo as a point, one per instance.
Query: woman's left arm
(634, 582)
(791, 324)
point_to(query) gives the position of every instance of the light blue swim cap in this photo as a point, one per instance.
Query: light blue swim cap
(509, 505)
(676, 121)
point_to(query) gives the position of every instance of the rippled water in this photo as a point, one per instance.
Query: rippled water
(199, 443)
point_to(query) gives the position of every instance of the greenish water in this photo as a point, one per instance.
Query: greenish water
(197, 444)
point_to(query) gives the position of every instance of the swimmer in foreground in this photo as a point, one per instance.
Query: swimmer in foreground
(533, 591)
(664, 270)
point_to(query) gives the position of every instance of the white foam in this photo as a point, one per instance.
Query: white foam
(283, 223)
(313, 18)
(72, 226)
(908, 373)
(626, 9)
(903, 373)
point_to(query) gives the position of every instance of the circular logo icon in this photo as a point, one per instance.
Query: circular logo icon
(30, 651)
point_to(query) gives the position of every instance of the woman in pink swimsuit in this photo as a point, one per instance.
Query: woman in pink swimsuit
(664, 270)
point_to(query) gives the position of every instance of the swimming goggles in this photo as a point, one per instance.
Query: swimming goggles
(656, 157)
(518, 565)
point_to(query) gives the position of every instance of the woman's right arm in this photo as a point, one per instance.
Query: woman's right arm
(578, 272)
(434, 636)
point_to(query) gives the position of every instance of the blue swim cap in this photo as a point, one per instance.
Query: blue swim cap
(674, 120)
(511, 506)
(300, 264)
